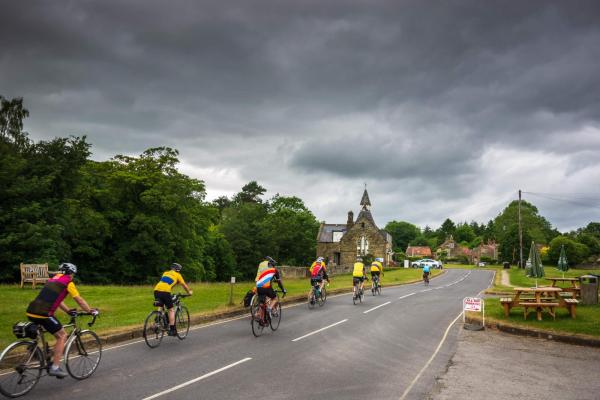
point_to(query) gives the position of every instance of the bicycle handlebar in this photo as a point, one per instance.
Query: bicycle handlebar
(80, 313)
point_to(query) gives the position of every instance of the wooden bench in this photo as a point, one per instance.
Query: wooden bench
(571, 305)
(507, 303)
(538, 308)
(34, 273)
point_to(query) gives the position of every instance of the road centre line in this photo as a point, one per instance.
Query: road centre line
(376, 307)
(408, 389)
(406, 295)
(320, 330)
(197, 379)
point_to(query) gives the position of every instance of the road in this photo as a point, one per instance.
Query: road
(381, 348)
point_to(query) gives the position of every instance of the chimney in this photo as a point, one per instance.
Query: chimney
(350, 222)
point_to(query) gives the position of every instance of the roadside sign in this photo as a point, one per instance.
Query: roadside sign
(474, 304)
(233, 279)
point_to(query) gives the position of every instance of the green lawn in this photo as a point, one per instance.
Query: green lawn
(127, 306)
(587, 321)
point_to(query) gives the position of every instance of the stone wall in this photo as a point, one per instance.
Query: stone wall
(302, 272)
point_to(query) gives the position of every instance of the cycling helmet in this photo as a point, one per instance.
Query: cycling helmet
(67, 268)
(271, 261)
(320, 259)
(359, 259)
(177, 267)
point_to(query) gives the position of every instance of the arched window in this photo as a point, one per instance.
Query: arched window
(362, 246)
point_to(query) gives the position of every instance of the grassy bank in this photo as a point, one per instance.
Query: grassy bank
(127, 306)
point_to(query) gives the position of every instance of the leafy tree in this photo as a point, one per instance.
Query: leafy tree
(250, 193)
(464, 233)
(402, 234)
(220, 263)
(576, 252)
(448, 228)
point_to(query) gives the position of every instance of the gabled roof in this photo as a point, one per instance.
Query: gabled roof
(326, 232)
(412, 251)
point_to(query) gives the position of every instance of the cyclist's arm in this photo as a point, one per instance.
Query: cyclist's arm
(64, 307)
(82, 303)
(277, 277)
(187, 288)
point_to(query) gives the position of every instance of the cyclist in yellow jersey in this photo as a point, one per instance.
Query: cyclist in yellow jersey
(162, 292)
(376, 270)
(359, 274)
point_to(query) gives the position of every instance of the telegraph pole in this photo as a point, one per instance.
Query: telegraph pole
(520, 234)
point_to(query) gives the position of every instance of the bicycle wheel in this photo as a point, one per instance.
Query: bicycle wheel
(379, 289)
(257, 321)
(21, 366)
(82, 354)
(275, 318)
(311, 298)
(153, 330)
(182, 322)
(322, 297)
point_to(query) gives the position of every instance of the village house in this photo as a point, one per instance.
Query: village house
(418, 251)
(340, 244)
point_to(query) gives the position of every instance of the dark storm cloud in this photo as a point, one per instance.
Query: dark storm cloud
(410, 93)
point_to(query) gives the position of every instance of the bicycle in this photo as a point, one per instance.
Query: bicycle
(358, 293)
(317, 295)
(23, 362)
(157, 322)
(376, 285)
(426, 278)
(260, 318)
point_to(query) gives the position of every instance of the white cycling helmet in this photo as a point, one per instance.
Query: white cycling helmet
(320, 259)
(67, 268)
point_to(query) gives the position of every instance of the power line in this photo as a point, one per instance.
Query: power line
(578, 202)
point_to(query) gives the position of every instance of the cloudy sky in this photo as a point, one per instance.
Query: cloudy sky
(444, 108)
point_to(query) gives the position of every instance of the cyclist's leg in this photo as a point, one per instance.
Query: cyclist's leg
(54, 327)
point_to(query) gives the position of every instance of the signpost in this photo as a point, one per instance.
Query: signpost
(474, 304)
(231, 290)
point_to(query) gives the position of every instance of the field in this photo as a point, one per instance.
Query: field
(127, 306)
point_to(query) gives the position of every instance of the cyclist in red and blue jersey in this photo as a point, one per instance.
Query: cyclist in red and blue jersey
(318, 272)
(41, 310)
(266, 274)
(162, 292)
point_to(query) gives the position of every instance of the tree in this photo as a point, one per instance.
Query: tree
(576, 252)
(464, 233)
(250, 193)
(402, 234)
(448, 228)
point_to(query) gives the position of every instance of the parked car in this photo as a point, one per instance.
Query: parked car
(481, 264)
(427, 261)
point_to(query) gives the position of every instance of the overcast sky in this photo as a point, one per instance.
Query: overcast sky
(444, 108)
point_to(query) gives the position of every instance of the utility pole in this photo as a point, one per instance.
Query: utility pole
(520, 234)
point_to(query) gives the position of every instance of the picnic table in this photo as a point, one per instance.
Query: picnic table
(573, 288)
(550, 301)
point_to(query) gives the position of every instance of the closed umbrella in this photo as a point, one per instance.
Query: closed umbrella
(563, 265)
(537, 269)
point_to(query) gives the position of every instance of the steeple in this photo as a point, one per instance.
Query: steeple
(365, 202)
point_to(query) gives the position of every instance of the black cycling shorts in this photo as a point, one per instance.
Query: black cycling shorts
(356, 280)
(165, 298)
(51, 324)
(315, 280)
(373, 273)
(269, 292)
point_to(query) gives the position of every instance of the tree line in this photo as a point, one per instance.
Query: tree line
(127, 219)
(581, 245)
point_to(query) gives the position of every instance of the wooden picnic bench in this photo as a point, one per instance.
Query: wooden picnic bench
(572, 288)
(553, 298)
(34, 273)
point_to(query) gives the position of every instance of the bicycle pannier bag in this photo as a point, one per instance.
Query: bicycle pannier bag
(248, 298)
(24, 330)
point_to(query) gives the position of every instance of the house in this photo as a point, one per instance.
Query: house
(488, 250)
(453, 250)
(340, 244)
(418, 251)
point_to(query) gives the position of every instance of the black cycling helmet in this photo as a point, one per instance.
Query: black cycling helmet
(271, 261)
(67, 268)
(177, 267)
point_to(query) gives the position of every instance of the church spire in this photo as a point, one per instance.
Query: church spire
(365, 202)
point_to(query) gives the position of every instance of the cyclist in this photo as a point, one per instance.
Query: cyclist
(318, 273)
(265, 275)
(41, 310)
(359, 274)
(376, 270)
(162, 292)
(426, 273)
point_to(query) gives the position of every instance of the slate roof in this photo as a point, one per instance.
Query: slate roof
(326, 232)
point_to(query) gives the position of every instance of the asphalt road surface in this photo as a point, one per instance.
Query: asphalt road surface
(389, 347)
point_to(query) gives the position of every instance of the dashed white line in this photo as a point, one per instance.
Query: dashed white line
(197, 379)
(426, 290)
(376, 307)
(406, 295)
(319, 330)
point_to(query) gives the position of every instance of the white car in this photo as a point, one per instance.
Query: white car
(427, 261)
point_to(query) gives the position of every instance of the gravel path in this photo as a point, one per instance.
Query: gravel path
(495, 365)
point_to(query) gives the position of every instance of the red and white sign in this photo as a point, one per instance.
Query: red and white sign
(472, 304)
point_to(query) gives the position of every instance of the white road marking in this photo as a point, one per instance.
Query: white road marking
(426, 290)
(376, 307)
(406, 295)
(197, 379)
(319, 330)
(408, 389)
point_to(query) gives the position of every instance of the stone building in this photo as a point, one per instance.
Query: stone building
(418, 251)
(453, 250)
(340, 244)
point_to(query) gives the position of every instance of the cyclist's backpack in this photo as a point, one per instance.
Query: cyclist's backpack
(24, 330)
(248, 297)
